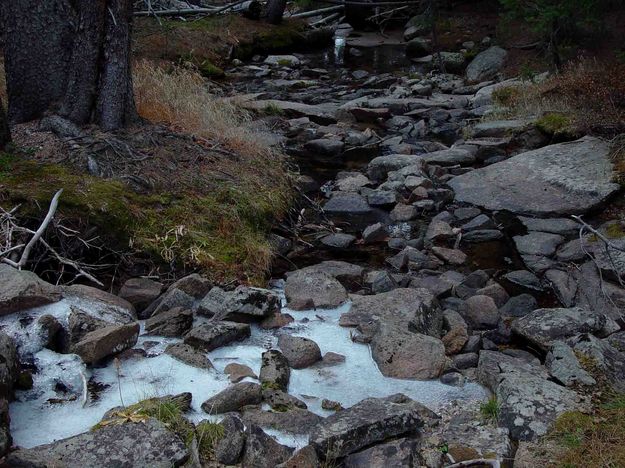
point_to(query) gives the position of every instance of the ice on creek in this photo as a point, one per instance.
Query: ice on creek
(53, 408)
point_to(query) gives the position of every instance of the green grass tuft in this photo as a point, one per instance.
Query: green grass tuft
(490, 409)
(208, 435)
(272, 109)
(554, 124)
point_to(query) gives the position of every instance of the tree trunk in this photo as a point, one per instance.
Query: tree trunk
(5, 134)
(275, 11)
(84, 74)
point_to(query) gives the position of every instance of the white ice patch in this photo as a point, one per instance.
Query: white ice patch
(35, 420)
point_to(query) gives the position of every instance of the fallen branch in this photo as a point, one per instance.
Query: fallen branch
(476, 462)
(53, 205)
(307, 14)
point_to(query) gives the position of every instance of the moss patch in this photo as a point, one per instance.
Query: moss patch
(554, 124)
(220, 230)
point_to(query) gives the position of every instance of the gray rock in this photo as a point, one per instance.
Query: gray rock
(279, 400)
(538, 243)
(465, 360)
(519, 306)
(299, 352)
(237, 372)
(403, 212)
(486, 64)
(338, 240)
(382, 198)
(482, 235)
(9, 366)
(438, 231)
(174, 322)
(283, 60)
(479, 222)
(80, 323)
(537, 263)
(571, 251)
(481, 312)
(194, 285)
(233, 398)
(306, 457)
(496, 292)
(274, 370)
(313, 290)
(555, 180)
(439, 285)
(544, 326)
(143, 444)
(23, 289)
(525, 279)
(450, 157)
(499, 128)
(370, 421)
(450, 256)
(348, 274)
(188, 355)
(374, 233)
(380, 166)
(173, 298)
(213, 335)
(564, 286)
(608, 360)
(349, 207)
(454, 379)
(140, 292)
(53, 334)
(244, 304)
(230, 447)
(293, 420)
(564, 366)
(262, 451)
(105, 342)
(380, 282)
(410, 258)
(418, 47)
(562, 226)
(401, 452)
(493, 366)
(457, 332)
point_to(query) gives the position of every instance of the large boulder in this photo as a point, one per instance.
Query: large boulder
(20, 289)
(348, 274)
(244, 304)
(233, 398)
(367, 422)
(486, 64)
(229, 449)
(401, 452)
(213, 335)
(567, 178)
(147, 443)
(313, 290)
(274, 370)
(545, 326)
(299, 352)
(105, 342)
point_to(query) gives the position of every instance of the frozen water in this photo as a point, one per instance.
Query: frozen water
(53, 408)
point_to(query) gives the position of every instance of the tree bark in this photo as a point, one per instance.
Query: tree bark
(275, 11)
(84, 74)
(5, 133)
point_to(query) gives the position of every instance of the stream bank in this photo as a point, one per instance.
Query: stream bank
(452, 271)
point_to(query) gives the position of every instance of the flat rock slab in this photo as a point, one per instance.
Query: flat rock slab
(142, 444)
(567, 178)
(316, 114)
(367, 422)
(311, 290)
(105, 342)
(213, 335)
(23, 290)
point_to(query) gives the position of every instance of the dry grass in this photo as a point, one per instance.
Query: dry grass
(589, 93)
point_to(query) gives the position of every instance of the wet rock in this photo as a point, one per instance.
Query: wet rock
(148, 443)
(140, 292)
(338, 240)
(274, 370)
(410, 258)
(454, 379)
(480, 222)
(317, 114)
(450, 256)
(21, 289)
(524, 279)
(465, 361)
(9, 367)
(555, 180)
(564, 366)
(370, 421)
(312, 290)
(280, 401)
(299, 352)
(174, 322)
(105, 342)
(486, 64)
(401, 452)
(230, 447)
(53, 334)
(374, 233)
(244, 304)
(457, 334)
(80, 323)
(538, 243)
(351, 208)
(237, 372)
(519, 306)
(188, 355)
(291, 420)
(330, 359)
(306, 457)
(213, 335)
(233, 398)
(482, 235)
(482, 312)
(544, 326)
(325, 146)
(418, 47)
(262, 451)
(276, 321)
